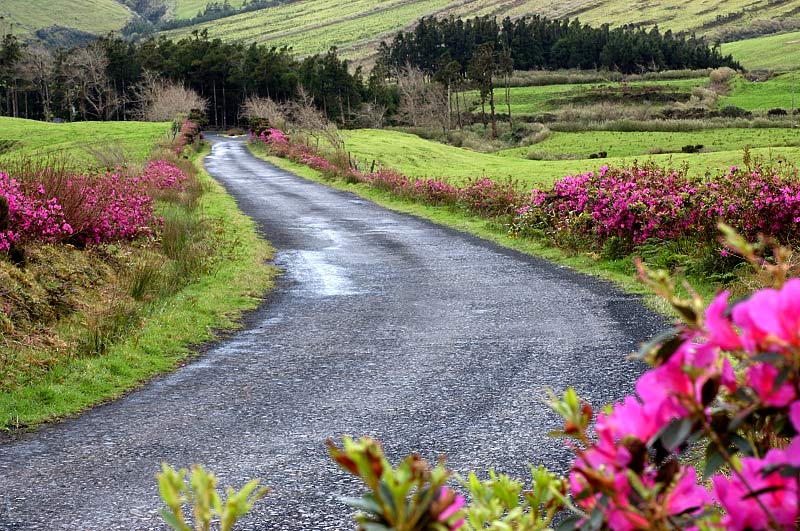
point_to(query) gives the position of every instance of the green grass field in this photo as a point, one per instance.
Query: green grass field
(356, 27)
(761, 95)
(621, 144)
(773, 52)
(537, 99)
(93, 16)
(33, 138)
(424, 158)
(183, 9)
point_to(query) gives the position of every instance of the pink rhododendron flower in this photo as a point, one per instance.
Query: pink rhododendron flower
(719, 327)
(762, 378)
(774, 494)
(770, 319)
(686, 494)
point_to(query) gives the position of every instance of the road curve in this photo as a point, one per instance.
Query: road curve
(383, 324)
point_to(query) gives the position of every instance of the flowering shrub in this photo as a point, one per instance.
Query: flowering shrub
(639, 203)
(188, 134)
(628, 474)
(409, 498)
(84, 209)
(163, 176)
(488, 197)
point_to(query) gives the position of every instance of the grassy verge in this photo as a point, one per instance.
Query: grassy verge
(419, 157)
(165, 327)
(621, 272)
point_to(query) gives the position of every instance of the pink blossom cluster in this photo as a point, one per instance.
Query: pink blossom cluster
(488, 197)
(483, 196)
(33, 215)
(695, 392)
(163, 176)
(84, 209)
(637, 204)
(188, 134)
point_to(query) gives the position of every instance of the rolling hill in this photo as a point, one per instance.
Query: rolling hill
(356, 27)
(90, 16)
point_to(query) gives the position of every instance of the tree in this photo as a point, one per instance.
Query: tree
(39, 71)
(481, 70)
(163, 101)
(422, 104)
(86, 83)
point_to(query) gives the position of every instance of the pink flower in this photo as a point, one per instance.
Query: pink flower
(452, 509)
(776, 495)
(686, 494)
(770, 319)
(761, 377)
(719, 327)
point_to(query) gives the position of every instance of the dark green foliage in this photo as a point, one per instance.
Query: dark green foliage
(225, 74)
(692, 148)
(3, 213)
(536, 42)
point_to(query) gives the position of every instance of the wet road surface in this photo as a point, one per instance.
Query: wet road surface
(383, 324)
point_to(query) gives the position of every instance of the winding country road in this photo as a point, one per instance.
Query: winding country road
(383, 324)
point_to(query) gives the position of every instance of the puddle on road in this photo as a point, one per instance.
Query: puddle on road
(314, 276)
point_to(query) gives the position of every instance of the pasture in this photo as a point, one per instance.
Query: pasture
(771, 52)
(418, 157)
(77, 139)
(638, 144)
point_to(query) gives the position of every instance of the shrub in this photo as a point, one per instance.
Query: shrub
(777, 112)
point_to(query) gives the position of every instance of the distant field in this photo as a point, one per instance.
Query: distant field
(183, 9)
(760, 95)
(424, 158)
(619, 144)
(773, 52)
(356, 27)
(33, 138)
(93, 16)
(533, 100)
(314, 26)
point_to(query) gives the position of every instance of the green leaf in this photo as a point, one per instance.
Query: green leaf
(676, 433)
(374, 526)
(367, 504)
(172, 520)
(569, 524)
(714, 460)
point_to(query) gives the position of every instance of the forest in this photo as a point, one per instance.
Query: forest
(103, 79)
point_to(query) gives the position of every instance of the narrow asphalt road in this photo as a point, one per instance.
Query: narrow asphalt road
(383, 324)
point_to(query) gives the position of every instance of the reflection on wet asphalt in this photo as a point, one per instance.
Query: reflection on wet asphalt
(382, 324)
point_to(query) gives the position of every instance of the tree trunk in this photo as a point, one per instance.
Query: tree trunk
(214, 87)
(491, 109)
(483, 111)
(508, 103)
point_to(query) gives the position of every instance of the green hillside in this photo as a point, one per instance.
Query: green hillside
(425, 158)
(92, 16)
(356, 27)
(773, 52)
(183, 9)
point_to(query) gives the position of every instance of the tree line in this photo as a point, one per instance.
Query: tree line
(538, 43)
(476, 52)
(103, 80)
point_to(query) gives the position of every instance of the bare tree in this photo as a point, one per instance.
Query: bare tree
(159, 100)
(308, 119)
(263, 110)
(39, 71)
(372, 115)
(86, 83)
(422, 104)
